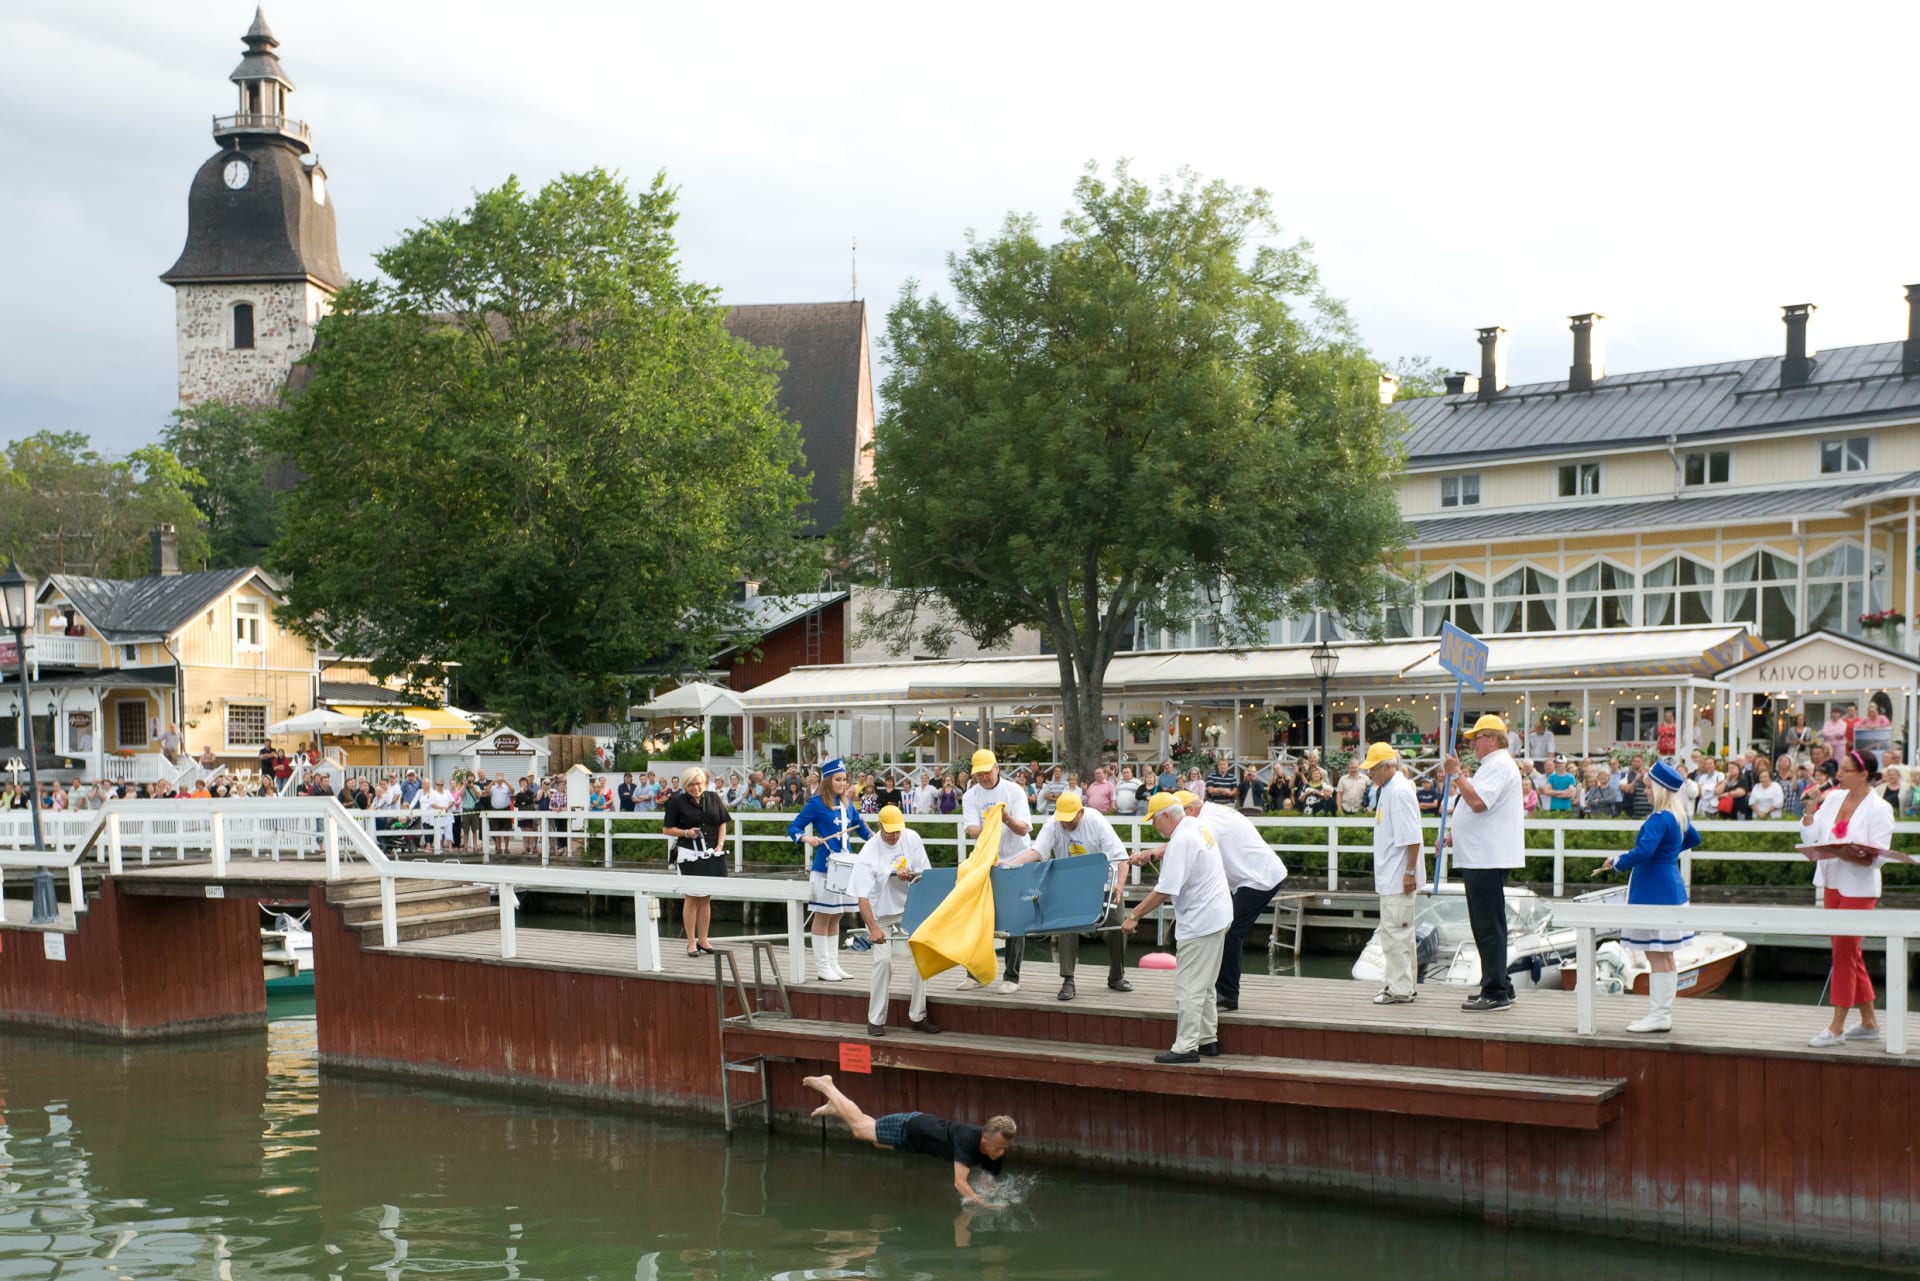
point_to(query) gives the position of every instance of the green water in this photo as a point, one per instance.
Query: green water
(237, 1158)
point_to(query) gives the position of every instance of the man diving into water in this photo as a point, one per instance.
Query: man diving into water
(969, 1147)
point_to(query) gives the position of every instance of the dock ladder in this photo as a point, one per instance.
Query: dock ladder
(1289, 927)
(726, 977)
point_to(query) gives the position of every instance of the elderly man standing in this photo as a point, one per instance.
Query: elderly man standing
(1195, 880)
(987, 790)
(888, 864)
(1352, 788)
(1254, 873)
(1397, 872)
(1488, 842)
(1077, 829)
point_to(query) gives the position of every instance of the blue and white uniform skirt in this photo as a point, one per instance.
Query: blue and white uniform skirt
(827, 901)
(1671, 939)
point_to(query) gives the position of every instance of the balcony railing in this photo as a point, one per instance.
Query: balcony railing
(251, 123)
(63, 651)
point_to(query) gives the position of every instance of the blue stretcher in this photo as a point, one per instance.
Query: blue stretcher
(1055, 896)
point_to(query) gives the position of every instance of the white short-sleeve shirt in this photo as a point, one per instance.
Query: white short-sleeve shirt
(1249, 861)
(1093, 834)
(978, 800)
(1495, 837)
(1195, 879)
(873, 878)
(1396, 825)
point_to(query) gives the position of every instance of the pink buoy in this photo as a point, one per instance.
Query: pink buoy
(1158, 961)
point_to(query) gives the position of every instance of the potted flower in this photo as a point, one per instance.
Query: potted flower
(1278, 722)
(1140, 727)
(1884, 621)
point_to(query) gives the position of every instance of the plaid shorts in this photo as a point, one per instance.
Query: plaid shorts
(891, 1129)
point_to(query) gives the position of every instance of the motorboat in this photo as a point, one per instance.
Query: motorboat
(1444, 941)
(286, 951)
(1703, 964)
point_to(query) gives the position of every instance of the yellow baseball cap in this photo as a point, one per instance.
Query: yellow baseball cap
(1186, 798)
(984, 760)
(1488, 724)
(1379, 754)
(1162, 801)
(1067, 807)
(891, 819)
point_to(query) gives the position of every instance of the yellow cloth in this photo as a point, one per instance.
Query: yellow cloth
(960, 931)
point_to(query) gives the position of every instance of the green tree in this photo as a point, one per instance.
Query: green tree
(224, 446)
(532, 449)
(1419, 376)
(68, 508)
(1159, 410)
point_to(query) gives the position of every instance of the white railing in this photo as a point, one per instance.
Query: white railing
(63, 651)
(142, 767)
(1896, 927)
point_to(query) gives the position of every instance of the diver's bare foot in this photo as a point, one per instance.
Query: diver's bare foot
(818, 1083)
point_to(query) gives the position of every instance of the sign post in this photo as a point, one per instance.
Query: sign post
(1466, 658)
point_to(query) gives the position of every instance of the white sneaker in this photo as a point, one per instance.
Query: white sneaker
(1861, 1033)
(967, 982)
(1654, 1021)
(1005, 985)
(1826, 1039)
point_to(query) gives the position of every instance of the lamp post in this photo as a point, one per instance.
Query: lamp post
(1325, 663)
(16, 616)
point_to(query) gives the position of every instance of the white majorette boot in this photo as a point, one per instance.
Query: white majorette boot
(833, 958)
(823, 967)
(1661, 985)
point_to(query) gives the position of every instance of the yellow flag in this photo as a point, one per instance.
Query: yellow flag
(960, 931)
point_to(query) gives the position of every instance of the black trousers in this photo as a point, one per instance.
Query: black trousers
(1248, 903)
(1014, 952)
(1069, 946)
(1487, 913)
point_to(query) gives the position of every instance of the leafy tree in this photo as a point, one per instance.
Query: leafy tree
(1419, 376)
(1160, 410)
(224, 446)
(68, 508)
(532, 449)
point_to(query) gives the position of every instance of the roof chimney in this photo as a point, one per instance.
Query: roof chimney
(1493, 362)
(1910, 351)
(1460, 382)
(1389, 388)
(1797, 369)
(1589, 354)
(166, 551)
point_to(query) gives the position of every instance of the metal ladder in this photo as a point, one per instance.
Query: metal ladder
(726, 974)
(1289, 927)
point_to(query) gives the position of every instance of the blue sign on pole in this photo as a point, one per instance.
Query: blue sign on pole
(1464, 656)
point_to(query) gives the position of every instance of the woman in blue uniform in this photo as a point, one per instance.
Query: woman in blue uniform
(1654, 862)
(825, 827)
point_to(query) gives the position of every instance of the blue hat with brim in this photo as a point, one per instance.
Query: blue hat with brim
(1667, 776)
(832, 767)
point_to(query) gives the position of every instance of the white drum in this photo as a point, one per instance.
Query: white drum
(840, 871)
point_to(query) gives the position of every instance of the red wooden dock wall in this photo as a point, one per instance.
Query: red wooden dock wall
(1784, 1153)
(140, 966)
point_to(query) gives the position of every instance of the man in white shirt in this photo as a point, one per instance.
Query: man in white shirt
(987, 790)
(1077, 829)
(1194, 879)
(1539, 745)
(888, 864)
(1254, 873)
(924, 795)
(1489, 841)
(1396, 873)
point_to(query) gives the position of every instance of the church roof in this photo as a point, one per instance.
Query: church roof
(125, 609)
(260, 62)
(270, 229)
(820, 389)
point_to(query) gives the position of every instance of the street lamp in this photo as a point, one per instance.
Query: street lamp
(16, 616)
(1325, 663)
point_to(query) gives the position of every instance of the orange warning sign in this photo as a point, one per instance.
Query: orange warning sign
(856, 1056)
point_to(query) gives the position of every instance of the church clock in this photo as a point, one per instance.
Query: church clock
(236, 174)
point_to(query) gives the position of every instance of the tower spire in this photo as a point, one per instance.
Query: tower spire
(264, 86)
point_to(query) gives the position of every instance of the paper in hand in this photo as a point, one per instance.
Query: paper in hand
(1852, 852)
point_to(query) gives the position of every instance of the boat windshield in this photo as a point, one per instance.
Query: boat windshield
(1447, 914)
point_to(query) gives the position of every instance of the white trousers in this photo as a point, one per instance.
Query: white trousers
(882, 980)
(1398, 950)
(1197, 966)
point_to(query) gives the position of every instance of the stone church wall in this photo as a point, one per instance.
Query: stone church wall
(211, 368)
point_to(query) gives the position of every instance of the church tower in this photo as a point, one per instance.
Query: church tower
(261, 264)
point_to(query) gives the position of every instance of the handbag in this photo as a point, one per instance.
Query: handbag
(1725, 805)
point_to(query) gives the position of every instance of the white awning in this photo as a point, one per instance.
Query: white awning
(695, 698)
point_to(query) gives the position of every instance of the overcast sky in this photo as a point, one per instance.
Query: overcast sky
(1684, 168)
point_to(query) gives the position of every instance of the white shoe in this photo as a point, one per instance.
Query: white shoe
(1661, 986)
(833, 959)
(823, 967)
(1653, 1021)
(1862, 1033)
(1006, 985)
(1827, 1038)
(967, 982)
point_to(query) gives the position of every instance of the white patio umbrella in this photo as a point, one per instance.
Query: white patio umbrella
(320, 720)
(696, 698)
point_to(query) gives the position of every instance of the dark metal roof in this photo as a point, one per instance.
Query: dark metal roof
(259, 62)
(270, 229)
(120, 609)
(359, 692)
(824, 344)
(1659, 513)
(109, 678)
(1691, 402)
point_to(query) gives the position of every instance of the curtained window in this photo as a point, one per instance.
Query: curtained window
(1601, 595)
(1526, 600)
(1456, 598)
(1759, 593)
(1677, 592)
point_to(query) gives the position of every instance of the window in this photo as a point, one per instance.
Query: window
(1601, 595)
(1678, 591)
(246, 725)
(1457, 598)
(1839, 588)
(1460, 491)
(243, 326)
(1760, 591)
(1526, 600)
(1838, 456)
(248, 617)
(129, 653)
(130, 724)
(1579, 480)
(1707, 467)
